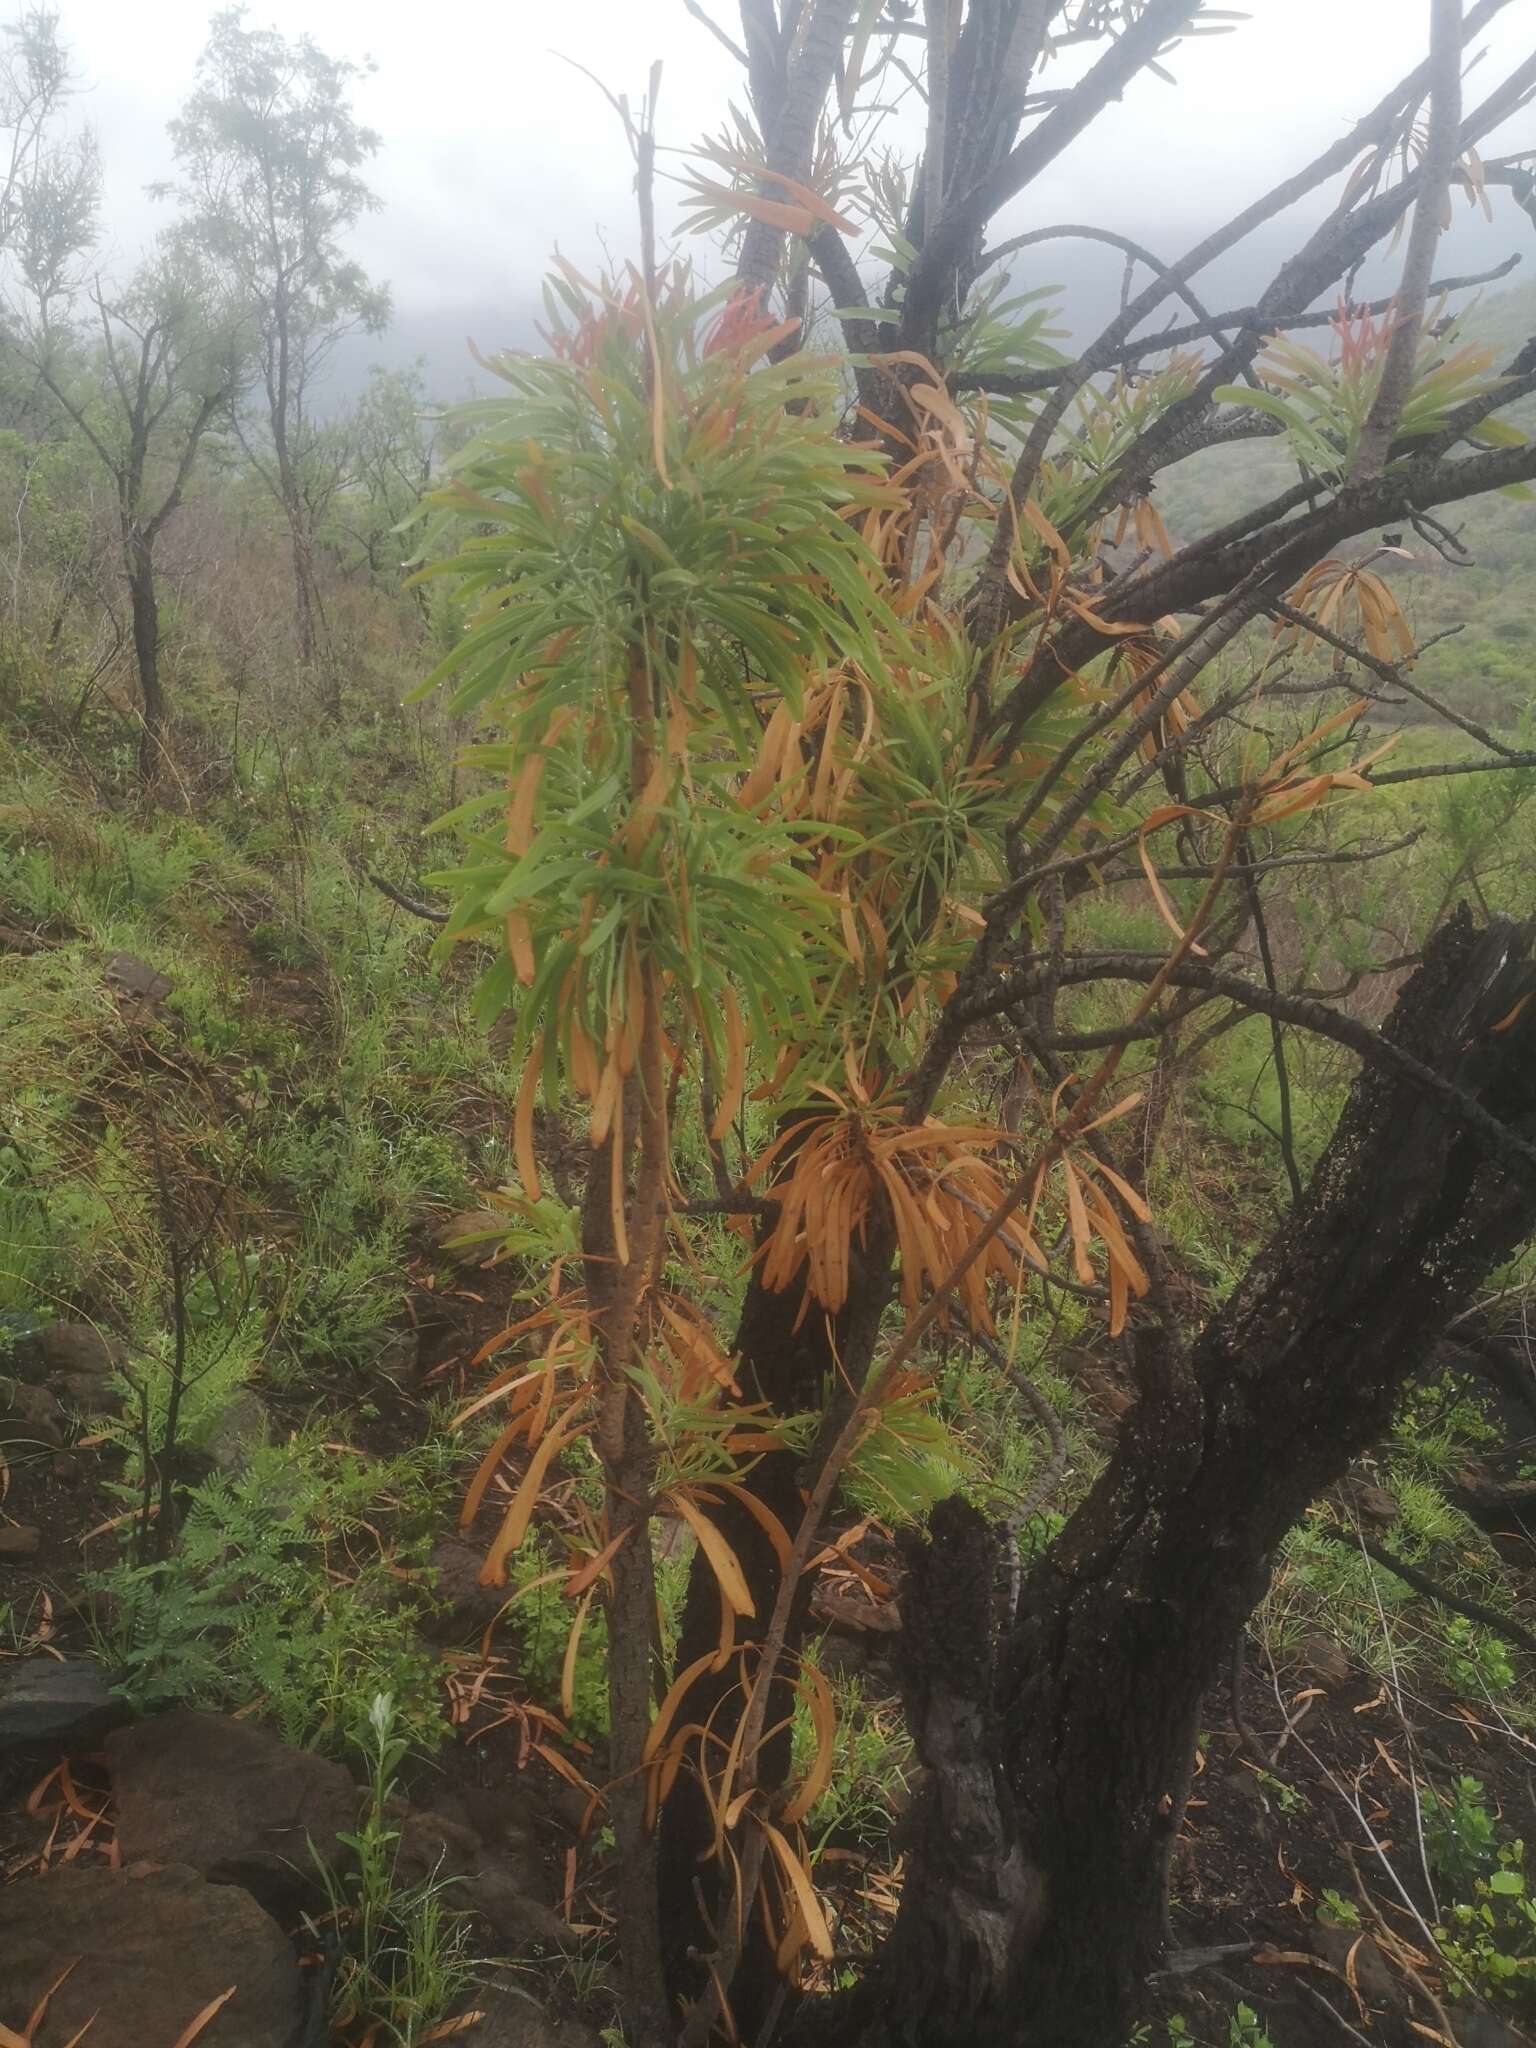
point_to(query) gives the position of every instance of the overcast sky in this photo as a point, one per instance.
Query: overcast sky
(495, 148)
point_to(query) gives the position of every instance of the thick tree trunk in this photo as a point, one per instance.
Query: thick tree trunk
(794, 104)
(1058, 1757)
(146, 657)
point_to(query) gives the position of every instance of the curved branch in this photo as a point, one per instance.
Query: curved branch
(1205, 323)
(1474, 1610)
(1309, 1014)
(413, 904)
(1024, 383)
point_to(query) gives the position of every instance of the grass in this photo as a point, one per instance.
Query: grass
(404, 1964)
(311, 1058)
(297, 1588)
(1324, 1586)
(318, 1067)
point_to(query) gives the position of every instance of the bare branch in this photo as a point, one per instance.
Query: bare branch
(1307, 1012)
(1024, 383)
(698, 13)
(1396, 674)
(1441, 150)
(947, 240)
(1487, 1617)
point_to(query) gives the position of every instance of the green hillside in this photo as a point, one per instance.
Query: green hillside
(1486, 668)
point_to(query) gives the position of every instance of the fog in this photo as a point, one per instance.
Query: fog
(496, 147)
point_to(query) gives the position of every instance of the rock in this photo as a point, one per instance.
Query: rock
(76, 1351)
(65, 1702)
(497, 1895)
(150, 1948)
(128, 975)
(75, 1362)
(511, 2019)
(467, 1608)
(1484, 2030)
(30, 1417)
(470, 1237)
(20, 1541)
(238, 1431)
(231, 1800)
(1328, 1664)
(236, 1804)
(499, 1883)
(87, 1395)
(1502, 1506)
(1358, 1960)
(1375, 1504)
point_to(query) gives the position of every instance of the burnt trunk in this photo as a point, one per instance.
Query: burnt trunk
(1058, 1743)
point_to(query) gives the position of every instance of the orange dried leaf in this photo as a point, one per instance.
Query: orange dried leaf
(572, 1646)
(1077, 1218)
(594, 1567)
(522, 1121)
(723, 1561)
(190, 2032)
(818, 1699)
(514, 1525)
(666, 1713)
(486, 1471)
(804, 1891)
(734, 1080)
(760, 1511)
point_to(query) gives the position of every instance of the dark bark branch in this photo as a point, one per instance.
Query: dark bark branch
(1208, 569)
(1431, 771)
(1344, 856)
(1308, 1012)
(790, 133)
(1026, 382)
(696, 10)
(1205, 323)
(949, 240)
(1474, 1610)
(840, 275)
(413, 904)
(206, 413)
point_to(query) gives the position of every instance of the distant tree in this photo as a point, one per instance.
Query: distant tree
(391, 441)
(271, 154)
(142, 379)
(34, 82)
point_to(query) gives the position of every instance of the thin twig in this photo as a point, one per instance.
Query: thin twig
(697, 11)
